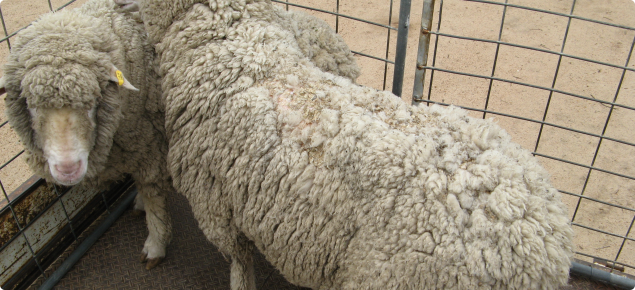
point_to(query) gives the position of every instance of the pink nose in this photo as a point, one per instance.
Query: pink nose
(68, 168)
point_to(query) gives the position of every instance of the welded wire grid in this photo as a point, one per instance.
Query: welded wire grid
(399, 61)
(597, 204)
(10, 200)
(397, 66)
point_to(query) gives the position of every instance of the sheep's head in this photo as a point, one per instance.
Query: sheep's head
(63, 114)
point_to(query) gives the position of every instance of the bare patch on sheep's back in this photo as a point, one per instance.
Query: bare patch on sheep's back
(305, 99)
(301, 108)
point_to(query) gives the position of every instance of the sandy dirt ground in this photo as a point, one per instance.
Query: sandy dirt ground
(540, 30)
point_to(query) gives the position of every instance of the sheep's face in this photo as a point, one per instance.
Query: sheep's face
(66, 136)
(70, 116)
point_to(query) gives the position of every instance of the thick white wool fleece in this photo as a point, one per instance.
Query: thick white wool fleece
(341, 186)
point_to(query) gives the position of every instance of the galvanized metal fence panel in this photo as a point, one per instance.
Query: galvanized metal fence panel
(604, 133)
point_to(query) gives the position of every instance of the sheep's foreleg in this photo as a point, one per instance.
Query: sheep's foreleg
(138, 208)
(159, 226)
(242, 275)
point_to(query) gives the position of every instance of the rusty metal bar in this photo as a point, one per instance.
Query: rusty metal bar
(423, 51)
(628, 232)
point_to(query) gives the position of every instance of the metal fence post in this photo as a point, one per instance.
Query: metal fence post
(424, 48)
(402, 44)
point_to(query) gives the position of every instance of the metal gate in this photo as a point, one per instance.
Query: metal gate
(40, 221)
(562, 87)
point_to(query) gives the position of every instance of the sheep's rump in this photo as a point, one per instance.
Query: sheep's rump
(343, 186)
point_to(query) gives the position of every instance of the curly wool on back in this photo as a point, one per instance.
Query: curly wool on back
(342, 186)
(317, 41)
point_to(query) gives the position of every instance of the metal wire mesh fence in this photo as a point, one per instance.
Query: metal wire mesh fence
(562, 87)
(23, 242)
(401, 42)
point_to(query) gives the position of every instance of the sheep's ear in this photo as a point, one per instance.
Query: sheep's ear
(128, 5)
(2, 90)
(117, 77)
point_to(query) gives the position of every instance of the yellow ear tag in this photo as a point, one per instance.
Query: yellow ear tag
(119, 77)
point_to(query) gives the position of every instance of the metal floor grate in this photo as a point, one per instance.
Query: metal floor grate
(191, 263)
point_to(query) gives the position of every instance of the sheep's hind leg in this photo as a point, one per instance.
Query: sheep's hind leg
(159, 226)
(242, 275)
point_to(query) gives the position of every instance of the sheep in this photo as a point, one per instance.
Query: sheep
(316, 40)
(78, 128)
(341, 186)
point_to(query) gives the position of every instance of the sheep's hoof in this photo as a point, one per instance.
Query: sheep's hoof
(150, 263)
(138, 212)
(153, 263)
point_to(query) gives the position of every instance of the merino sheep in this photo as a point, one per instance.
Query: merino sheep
(77, 127)
(316, 40)
(342, 186)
